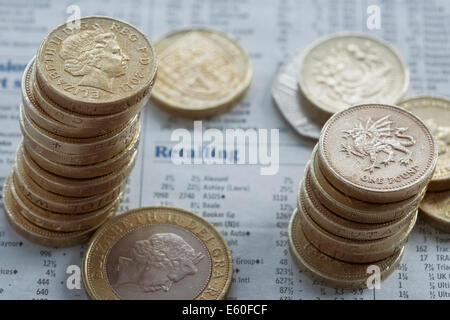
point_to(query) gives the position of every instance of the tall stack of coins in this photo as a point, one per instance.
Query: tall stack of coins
(335, 72)
(81, 99)
(359, 198)
(435, 112)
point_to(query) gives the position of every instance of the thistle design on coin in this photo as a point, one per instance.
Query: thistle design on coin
(158, 262)
(374, 137)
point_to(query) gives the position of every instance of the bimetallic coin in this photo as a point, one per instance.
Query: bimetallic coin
(73, 187)
(201, 73)
(435, 207)
(103, 67)
(435, 112)
(296, 110)
(350, 250)
(85, 123)
(377, 153)
(37, 234)
(87, 171)
(59, 222)
(53, 202)
(338, 226)
(331, 271)
(157, 253)
(115, 140)
(346, 69)
(356, 210)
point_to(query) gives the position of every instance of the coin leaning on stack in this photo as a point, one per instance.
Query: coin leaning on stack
(359, 198)
(80, 119)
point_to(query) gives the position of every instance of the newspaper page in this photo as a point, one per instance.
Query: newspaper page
(251, 210)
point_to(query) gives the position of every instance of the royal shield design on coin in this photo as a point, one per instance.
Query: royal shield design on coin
(374, 137)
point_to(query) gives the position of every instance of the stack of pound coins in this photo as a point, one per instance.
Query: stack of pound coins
(435, 112)
(359, 198)
(80, 119)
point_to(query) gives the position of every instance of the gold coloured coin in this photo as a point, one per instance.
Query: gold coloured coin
(435, 112)
(346, 69)
(42, 119)
(59, 222)
(37, 234)
(53, 202)
(435, 207)
(157, 253)
(336, 225)
(64, 158)
(73, 187)
(350, 250)
(377, 153)
(103, 67)
(115, 140)
(201, 73)
(331, 271)
(85, 123)
(87, 171)
(353, 209)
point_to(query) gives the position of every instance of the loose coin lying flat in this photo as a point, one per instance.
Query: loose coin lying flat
(377, 153)
(345, 69)
(101, 68)
(332, 271)
(37, 234)
(295, 109)
(435, 112)
(435, 206)
(201, 73)
(157, 253)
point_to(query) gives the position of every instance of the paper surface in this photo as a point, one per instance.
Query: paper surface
(251, 210)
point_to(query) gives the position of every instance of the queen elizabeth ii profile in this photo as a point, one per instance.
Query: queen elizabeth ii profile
(95, 56)
(157, 262)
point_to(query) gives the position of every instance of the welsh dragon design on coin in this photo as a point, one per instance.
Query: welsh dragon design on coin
(373, 137)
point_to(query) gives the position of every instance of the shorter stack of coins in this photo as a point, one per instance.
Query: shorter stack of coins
(359, 198)
(435, 112)
(80, 137)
